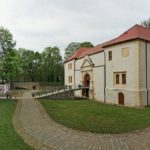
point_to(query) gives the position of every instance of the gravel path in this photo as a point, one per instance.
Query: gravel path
(33, 124)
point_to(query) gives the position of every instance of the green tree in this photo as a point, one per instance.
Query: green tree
(6, 40)
(9, 60)
(52, 65)
(27, 64)
(71, 48)
(74, 46)
(146, 23)
(86, 44)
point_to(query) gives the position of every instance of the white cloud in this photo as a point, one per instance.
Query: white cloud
(38, 24)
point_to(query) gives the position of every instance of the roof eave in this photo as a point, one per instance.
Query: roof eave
(123, 42)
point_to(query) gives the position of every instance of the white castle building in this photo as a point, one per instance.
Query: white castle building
(116, 72)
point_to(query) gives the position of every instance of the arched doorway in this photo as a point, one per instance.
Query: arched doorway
(87, 84)
(120, 98)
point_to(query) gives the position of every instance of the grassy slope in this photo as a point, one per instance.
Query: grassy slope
(96, 117)
(9, 140)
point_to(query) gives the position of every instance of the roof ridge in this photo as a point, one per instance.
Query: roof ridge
(135, 32)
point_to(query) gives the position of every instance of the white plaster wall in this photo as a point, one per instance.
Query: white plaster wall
(120, 64)
(98, 79)
(148, 71)
(98, 73)
(142, 72)
(97, 59)
(69, 72)
(77, 82)
(78, 63)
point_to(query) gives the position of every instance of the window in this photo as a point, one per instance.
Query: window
(123, 78)
(70, 66)
(125, 52)
(70, 79)
(110, 55)
(119, 78)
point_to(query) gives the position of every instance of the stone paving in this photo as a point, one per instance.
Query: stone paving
(33, 124)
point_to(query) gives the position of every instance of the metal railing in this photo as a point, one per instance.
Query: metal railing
(51, 92)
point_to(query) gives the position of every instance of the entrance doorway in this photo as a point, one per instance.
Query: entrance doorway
(34, 87)
(87, 84)
(121, 98)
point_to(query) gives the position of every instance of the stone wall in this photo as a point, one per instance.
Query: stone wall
(62, 95)
(26, 85)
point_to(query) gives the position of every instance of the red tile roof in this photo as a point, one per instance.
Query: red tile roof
(82, 52)
(136, 32)
(77, 54)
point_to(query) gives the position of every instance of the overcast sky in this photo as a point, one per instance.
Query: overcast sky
(36, 24)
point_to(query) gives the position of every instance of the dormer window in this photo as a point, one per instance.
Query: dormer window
(110, 55)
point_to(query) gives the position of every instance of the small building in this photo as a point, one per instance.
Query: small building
(114, 72)
(4, 88)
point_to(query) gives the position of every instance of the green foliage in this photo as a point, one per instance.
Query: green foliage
(86, 44)
(53, 69)
(6, 40)
(74, 46)
(27, 65)
(71, 48)
(95, 117)
(41, 67)
(146, 23)
(9, 140)
(9, 62)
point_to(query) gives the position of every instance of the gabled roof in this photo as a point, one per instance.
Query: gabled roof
(82, 52)
(77, 54)
(136, 32)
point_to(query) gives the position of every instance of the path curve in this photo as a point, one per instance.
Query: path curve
(32, 123)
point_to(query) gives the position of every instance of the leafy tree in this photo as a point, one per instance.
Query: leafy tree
(52, 65)
(27, 65)
(146, 23)
(6, 40)
(9, 60)
(72, 47)
(86, 44)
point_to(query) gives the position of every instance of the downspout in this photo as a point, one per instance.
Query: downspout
(74, 73)
(104, 77)
(146, 71)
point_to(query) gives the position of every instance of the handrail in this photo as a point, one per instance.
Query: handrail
(51, 92)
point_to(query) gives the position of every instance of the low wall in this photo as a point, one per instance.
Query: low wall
(36, 85)
(62, 95)
(26, 85)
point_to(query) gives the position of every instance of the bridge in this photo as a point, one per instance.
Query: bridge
(60, 93)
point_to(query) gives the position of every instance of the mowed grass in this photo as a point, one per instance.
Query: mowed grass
(9, 140)
(87, 115)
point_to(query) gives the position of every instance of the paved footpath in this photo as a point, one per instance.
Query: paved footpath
(33, 124)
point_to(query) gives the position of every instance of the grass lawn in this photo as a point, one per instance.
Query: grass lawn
(9, 140)
(95, 117)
